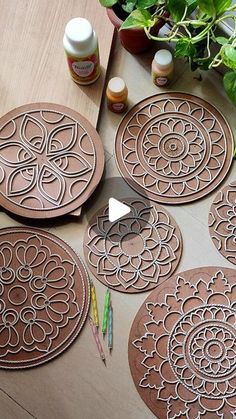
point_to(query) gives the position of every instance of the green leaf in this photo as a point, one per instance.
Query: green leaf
(207, 6)
(176, 9)
(108, 3)
(213, 7)
(138, 19)
(222, 5)
(230, 53)
(184, 48)
(129, 6)
(229, 56)
(230, 85)
(192, 4)
(221, 40)
(145, 4)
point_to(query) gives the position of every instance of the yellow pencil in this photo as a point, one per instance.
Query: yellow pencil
(94, 305)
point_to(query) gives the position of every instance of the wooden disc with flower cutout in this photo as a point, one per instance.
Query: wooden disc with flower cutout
(135, 253)
(51, 160)
(222, 222)
(44, 297)
(182, 346)
(174, 146)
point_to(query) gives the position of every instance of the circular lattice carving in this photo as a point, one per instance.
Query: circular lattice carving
(51, 160)
(135, 253)
(222, 222)
(182, 346)
(174, 147)
(44, 297)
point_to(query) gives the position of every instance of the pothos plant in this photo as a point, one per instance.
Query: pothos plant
(193, 27)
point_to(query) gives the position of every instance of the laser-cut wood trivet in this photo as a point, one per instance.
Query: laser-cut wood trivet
(222, 222)
(174, 146)
(44, 297)
(135, 253)
(51, 160)
(182, 346)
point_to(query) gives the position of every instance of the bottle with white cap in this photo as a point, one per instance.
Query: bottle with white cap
(117, 95)
(81, 47)
(162, 68)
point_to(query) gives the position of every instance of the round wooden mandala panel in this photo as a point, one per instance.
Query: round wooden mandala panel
(182, 346)
(44, 297)
(174, 146)
(222, 222)
(135, 253)
(51, 160)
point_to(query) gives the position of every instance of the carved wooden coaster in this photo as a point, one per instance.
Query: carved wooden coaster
(51, 160)
(44, 297)
(222, 222)
(174, 146)
(135, 253)
(182, 346)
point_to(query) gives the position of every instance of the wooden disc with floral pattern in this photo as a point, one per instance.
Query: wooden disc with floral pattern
(51, 160)
(174, 146)
(182, 346)
(135, 253)
(44, 297)
(222, 222)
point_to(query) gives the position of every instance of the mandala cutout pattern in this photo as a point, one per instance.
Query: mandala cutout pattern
(44, 297)
(182, 346)
(135, 253)
(222, 222)
(51, 160)
(174, 148)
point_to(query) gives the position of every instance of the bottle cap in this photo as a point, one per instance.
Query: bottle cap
(116, 86)
(79, 32)
(163, 58)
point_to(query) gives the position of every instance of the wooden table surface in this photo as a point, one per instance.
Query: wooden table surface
(77, 385)
(33, 63)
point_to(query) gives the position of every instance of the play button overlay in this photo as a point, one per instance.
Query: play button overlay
(117, 210)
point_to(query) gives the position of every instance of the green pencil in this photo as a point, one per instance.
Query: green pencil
(105, 311)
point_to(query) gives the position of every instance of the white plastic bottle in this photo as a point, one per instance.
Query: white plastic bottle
(81, 47)
(162, 68)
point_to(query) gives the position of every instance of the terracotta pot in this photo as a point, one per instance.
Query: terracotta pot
(134, 40)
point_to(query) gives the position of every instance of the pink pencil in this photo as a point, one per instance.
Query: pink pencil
(97, 340)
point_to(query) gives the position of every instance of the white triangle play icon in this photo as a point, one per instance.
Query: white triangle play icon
(117, 210)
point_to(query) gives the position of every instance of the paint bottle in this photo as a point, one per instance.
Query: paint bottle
(162, 68)
(117, 95)
(81, 47)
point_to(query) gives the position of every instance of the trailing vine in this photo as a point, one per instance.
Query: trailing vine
(193, 28)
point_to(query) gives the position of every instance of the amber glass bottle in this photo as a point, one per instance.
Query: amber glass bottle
(117, 95)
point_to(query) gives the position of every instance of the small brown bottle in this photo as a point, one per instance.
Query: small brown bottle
(117, 95)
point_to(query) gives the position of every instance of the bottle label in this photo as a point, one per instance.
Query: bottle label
(84, 70)
(118, 107)
(161, 81)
